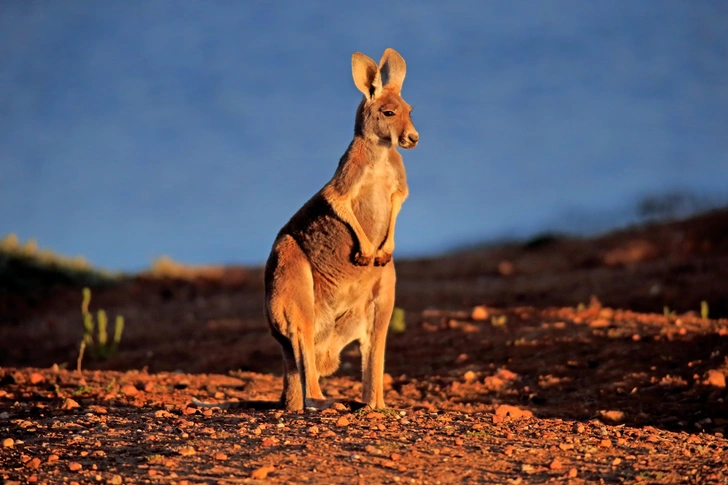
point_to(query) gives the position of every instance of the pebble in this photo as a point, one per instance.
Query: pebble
(613, 416)
(74, 466)
(4, 415)
(605, 443)
(69, 404)
(220, 456)
(262, 472)
(572, 473)
(512, 411)
(129, 390)
(715, 378)
(342, 422)
(555, 465)
(8, 443)
(187, 451)
(53, 458)
(338, 406)
(33, 463)
(479, 313)
(579, 428)
(116, 480)
(470, 376)
(36, 378)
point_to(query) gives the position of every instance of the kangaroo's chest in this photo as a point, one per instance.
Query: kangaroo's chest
(373, 203)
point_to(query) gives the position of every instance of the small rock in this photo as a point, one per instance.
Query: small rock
(268, 442)
(715, 378)
(479, 313)
(129, 390)
(579, 428)
(262, 472)
(374, 415)
(187, 451)
(459, 442)
(53, 458)
(605, 443)
(74, 466)
(616, 461)
(599, 323)
(342, 422)
(97, 409)
(115, 480)
(613, 416)
(220, 456)
(338, 406)
(555, 465)
(470, 376)
(512, 411)
(506, 268)
(33, 464)
(69, 404)
(4, 415)
(497, 419)
(8, 443)
(36, 378)
(313, 430)
(506, 375)
(572, 473)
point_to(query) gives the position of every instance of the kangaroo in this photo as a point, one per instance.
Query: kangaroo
(329, 279)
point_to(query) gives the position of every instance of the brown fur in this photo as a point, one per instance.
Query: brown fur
(329, 279)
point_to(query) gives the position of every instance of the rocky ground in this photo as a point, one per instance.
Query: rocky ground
(554, 360)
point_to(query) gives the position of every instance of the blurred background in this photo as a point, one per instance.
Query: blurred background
(196, 129)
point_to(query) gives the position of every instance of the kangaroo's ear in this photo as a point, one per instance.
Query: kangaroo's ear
(366, 75)
(393, 69)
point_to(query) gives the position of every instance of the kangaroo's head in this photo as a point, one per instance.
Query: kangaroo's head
(383, 115)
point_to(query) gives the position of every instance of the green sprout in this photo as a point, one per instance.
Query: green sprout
(704, 309)
(397, 323)
(98, 344)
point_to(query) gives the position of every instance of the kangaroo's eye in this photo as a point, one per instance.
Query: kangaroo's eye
(388, 112)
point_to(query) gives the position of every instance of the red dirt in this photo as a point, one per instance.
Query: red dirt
(528, 389)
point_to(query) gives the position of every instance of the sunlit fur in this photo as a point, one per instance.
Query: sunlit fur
(329, 279)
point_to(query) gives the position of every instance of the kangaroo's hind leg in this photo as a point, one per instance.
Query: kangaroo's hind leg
(291, 315)
(374, 342)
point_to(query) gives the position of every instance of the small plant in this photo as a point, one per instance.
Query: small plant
(666, 311)
(397, 323)
(99, 345)
(704, 309)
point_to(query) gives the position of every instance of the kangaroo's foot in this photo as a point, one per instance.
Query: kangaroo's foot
(361, 260)
(382, 258)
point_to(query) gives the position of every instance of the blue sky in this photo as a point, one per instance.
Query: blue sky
(129, 130)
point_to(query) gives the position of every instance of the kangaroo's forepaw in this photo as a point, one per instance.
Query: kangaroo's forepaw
(362, 260)
(382, 258)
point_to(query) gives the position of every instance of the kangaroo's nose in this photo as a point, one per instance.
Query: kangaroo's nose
(413, 137)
